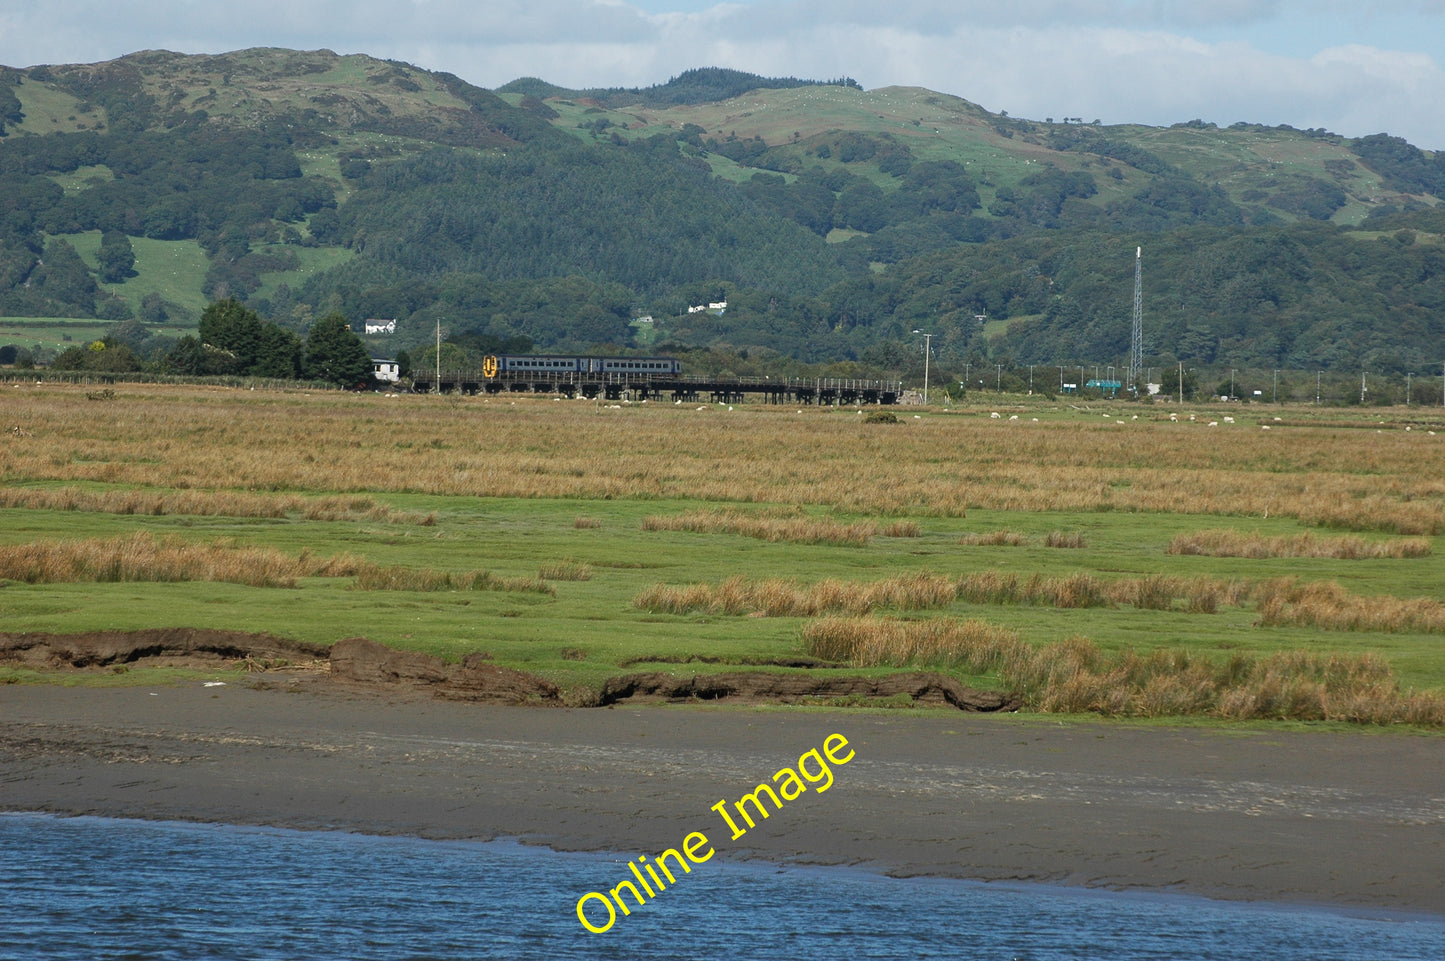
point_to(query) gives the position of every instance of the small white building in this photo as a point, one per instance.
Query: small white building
(387, 370)
(381, 326)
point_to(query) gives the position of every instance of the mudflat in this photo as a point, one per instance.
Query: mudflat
(1352, 819)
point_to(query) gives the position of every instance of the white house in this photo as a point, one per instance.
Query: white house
(387, 370)
(381, 327)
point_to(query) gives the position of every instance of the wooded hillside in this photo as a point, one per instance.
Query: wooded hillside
(833, 221)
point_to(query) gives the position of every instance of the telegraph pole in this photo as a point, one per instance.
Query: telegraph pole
(927, 349)
(1136, 338)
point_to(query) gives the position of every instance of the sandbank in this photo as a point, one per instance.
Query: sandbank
(1318, 817)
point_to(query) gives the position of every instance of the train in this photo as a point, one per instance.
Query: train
(495, 364)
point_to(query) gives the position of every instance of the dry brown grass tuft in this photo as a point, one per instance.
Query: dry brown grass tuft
(586, 523)
(142, 557)
(1287, 602)
(189, 437)
(783, 598)
(211, 504)
(872, 642)
(565, 570)
(995, 539)
(1232, 543)
(793, 529)
(1065, 539)
(1074, 677)
(1198, 595)
(925, 591)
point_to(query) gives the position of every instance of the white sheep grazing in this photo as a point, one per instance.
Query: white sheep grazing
(995, 415)
(1228, 420)
(1174, 418)
(1214, 423)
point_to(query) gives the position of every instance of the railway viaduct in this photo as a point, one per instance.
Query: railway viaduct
(825, 391)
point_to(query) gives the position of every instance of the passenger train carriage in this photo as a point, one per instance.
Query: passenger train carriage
(546, 364)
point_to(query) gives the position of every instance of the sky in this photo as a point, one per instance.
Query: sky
(1354, 67)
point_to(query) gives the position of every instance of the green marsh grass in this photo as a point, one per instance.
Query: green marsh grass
(374, 577)
(511, 488)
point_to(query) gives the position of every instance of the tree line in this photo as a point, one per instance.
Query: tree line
(233, 340)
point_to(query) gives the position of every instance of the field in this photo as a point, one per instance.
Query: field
(54, 333)
(1109, 560)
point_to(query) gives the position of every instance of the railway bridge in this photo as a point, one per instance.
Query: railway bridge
(824, 391)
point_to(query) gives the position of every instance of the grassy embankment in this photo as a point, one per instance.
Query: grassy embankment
(579, 542)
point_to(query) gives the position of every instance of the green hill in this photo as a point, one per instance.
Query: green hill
(833, 220)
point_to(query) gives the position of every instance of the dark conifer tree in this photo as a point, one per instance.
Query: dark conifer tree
(335, 354)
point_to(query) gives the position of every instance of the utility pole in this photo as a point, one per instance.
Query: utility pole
(927, 349)
(998, 379)
(927, 355)
(1276, 387)
(1362, 388)
(1317, 387)
(437, 389)
(1136, 337)
(1181, 383)
(1407, 388)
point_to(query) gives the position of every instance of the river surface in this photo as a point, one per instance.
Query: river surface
(97, 888)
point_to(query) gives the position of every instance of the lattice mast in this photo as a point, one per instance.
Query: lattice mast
(1136, 339)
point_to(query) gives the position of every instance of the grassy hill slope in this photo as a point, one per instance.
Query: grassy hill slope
(833, 220)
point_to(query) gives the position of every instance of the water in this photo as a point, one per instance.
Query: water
(96, 888)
